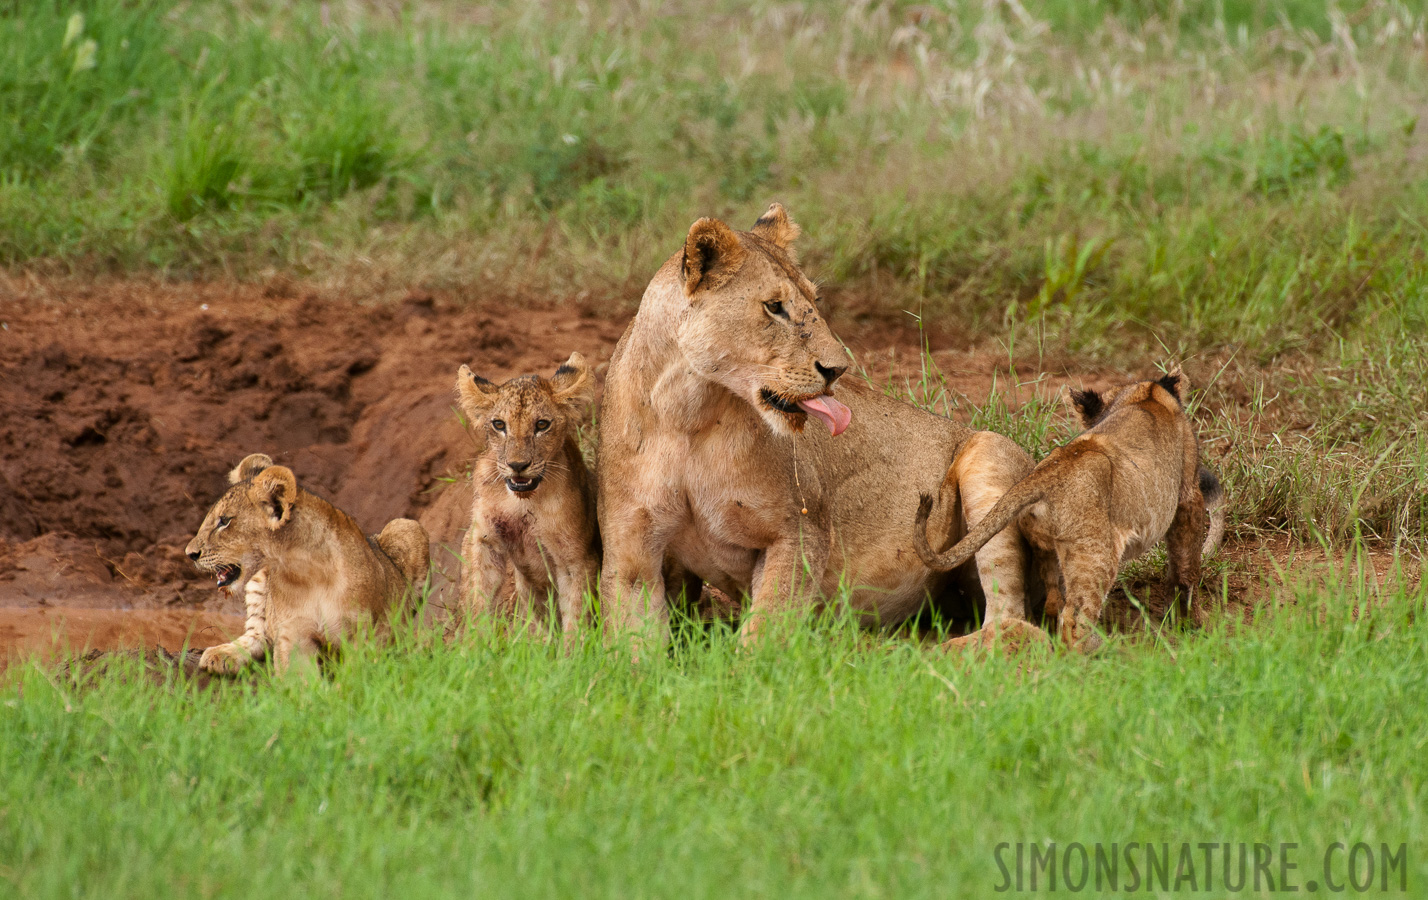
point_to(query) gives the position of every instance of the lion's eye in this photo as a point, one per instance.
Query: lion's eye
(542, 425)
(223, 521)
(499, 425)
(775, 308)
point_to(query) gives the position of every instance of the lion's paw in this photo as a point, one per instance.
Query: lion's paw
(1011, 636)
(224, 659)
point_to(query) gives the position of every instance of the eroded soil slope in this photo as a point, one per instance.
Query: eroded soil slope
(123, 406)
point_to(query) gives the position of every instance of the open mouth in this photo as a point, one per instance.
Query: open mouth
(523, 484)
(776, 402)
(833, 414)
(227, 573)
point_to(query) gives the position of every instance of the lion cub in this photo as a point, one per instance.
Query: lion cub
(533, 515)
(1106, 497)
(310, 577)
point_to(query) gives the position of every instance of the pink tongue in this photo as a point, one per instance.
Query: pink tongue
(829, 411)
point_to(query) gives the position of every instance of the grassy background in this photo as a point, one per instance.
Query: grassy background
(1206, 173)
(821, 764)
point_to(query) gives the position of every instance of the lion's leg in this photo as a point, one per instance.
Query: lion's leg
(530, 602)
(682, 586)
(572, 586)
(470, 547)
(252, 644)
(489, 565)
(1051, 577)
(1184, 543)
(786, 579)
(1088, 569)
(988, 465)
(632, 590)
(296, 649)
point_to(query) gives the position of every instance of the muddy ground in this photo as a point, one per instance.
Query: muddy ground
(123, 404)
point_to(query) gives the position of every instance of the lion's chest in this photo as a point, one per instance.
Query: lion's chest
(537, 535)
(724, 512)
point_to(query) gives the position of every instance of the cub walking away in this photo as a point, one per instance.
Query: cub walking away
(310, 577)
(533, 527)
(1130, 480)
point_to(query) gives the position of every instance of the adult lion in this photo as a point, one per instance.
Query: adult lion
(708, 464)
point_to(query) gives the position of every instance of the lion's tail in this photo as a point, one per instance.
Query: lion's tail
(406, 542)
(1214, 494)
(1022, 494)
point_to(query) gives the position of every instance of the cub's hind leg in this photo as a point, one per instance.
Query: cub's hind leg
(1088, 571)
(1051, 577)
(1184, 544)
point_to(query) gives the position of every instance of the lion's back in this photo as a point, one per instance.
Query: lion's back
(406, 543)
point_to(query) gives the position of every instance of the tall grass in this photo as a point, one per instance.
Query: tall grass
(821, 763)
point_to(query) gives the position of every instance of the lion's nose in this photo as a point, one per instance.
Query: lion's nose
(830, 373)
(518, 467)
(193, 555)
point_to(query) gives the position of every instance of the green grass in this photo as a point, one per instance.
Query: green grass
(820, 763)
(1201, 174)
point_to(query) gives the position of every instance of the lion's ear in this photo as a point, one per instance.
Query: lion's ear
(1176, 383)
(1087, 405)
(475, 393)
(251, 465)
(573, 381)
(274, 492)
(712, 255)
(777, 227)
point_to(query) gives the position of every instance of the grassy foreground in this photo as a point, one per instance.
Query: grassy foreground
(824, 764)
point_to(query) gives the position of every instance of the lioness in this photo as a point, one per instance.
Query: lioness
(309, 575)
(707, 460)
(534, 507)
(1107, 496)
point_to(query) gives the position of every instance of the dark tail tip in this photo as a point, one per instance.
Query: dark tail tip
(1210, 487)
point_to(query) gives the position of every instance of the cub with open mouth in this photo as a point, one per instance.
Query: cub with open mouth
(533, 529)
(310, 577)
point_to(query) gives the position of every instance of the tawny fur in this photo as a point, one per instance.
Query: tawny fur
(1131, 480)
(698, 471)
(310, 577)
(525, 545)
